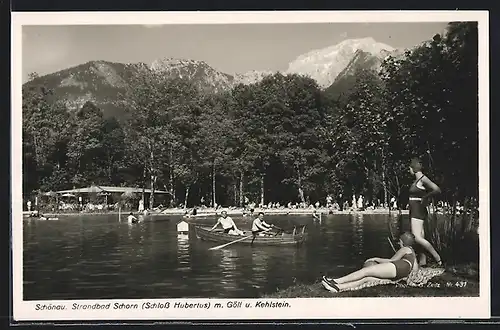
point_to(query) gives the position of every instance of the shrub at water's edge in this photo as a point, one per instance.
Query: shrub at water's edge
(455, 234)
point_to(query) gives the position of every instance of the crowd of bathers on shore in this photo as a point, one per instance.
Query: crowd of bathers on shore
(328, 206)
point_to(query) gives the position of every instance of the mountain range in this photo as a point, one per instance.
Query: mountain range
(103, 82)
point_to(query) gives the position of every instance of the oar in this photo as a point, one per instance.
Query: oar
(280, 230)
(224, 245)
(238, 240)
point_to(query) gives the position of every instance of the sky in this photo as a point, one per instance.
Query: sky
(233, 48)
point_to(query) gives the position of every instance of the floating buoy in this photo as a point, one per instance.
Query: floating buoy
(183, 228)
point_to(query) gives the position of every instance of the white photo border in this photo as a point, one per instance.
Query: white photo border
(300, 308)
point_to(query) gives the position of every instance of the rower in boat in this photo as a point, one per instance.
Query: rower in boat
(260, 226)
(227, 224)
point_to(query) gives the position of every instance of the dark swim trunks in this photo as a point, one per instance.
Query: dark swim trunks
(417, 209)
(403, 269)
(404, 265)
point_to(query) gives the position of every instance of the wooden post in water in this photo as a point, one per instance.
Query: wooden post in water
(119, 213)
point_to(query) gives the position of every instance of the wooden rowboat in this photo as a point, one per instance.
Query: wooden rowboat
(282, 239)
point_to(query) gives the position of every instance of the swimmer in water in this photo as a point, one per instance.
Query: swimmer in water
(131, 218)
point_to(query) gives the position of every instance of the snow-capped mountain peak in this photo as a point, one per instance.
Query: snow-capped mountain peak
(324, 65)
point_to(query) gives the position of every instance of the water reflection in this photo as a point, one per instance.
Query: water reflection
(182, 237)
(228, 269)
(357, 233)
(260, 261)
(131, 227)
(141, 240)
(228, 260)
(183, 250)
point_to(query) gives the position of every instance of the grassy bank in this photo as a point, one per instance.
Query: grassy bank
(460, 280)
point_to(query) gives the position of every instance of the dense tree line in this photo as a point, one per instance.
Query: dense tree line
(279, 140)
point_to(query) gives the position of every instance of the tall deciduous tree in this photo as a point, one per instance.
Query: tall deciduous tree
(86, 148)
(46, 127)
(155, 102)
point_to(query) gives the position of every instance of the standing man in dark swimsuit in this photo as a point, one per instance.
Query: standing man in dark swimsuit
(421, 189)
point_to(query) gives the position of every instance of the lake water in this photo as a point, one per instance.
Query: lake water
(97, 257)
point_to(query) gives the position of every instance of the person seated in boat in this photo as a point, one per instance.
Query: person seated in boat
(236, 232)
(259, 225)
(227, 224)
(395, 268)
(131, 218)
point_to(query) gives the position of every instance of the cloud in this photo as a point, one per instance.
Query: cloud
(343, 34)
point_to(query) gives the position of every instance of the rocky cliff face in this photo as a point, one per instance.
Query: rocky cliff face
(105, 83)
(100, 82)
(204, 76)
(251, 77)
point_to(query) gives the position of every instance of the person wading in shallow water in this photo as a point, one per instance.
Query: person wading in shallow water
(131, 218)
(395, 268)
(419, 193)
